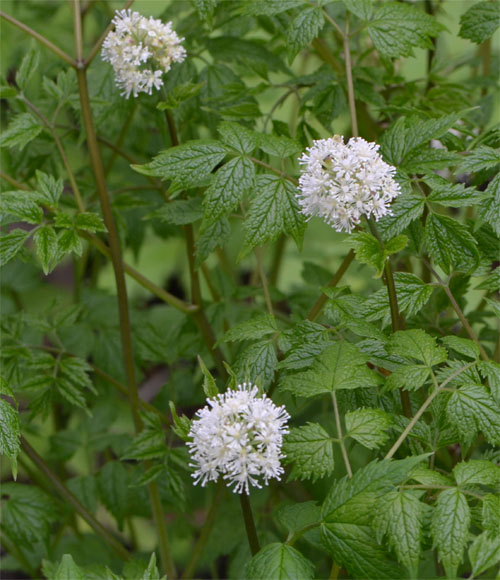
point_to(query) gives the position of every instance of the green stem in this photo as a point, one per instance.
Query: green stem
(55, 49)
(263, 280)
(205, 532)
(350, 84)
(73, 501)
(253, 539)
(340, 436)
(294, 537)
(316, 309)
(274, 170)
(277, 260)
(334, 572)
(17, 553)
(119, 272)
(422, 410)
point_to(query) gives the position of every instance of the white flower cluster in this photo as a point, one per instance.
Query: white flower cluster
(340, 183)
(140, 50)
(238, 435)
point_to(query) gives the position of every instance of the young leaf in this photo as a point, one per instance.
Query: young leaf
(10, 444)
(274, 210)
(29, 64)
(368, 426)
(480, 21)
(279, 562)
(340, 366)
(399, 514)
(151, 572)
(303, 29)
(22, 205)
(21, 131)
(209, 385)
(67, 570)
(11, 244)
(310, 449)
(90, 222)
(46, 247)
(476, 471)
(49, 188)
(450, 529)
(396, 29)
(182, 424)
(256, 327)
(230, 184)
(471, 409)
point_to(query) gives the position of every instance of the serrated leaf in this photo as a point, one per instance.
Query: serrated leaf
(489, 210)
(77, 370)
(491, 512)
(23, 205)
(257, 363)
(90, 222)
(68, 570)
(399, 515)
(48, 187)
(409, 377)
(10, 444)
(463, 346)
(269, 7)
(491, 370)
(471, 409)
(396, 29)
(363, 9)
(274, 211)
(484, 553)
(303, 29)
(368, 250)
(476, 471)
(279, 562)
(182, 425)
(28, 66)
(21, 131)
(27, 513)
(450, 244)
(278, 146)
(425, 160)
(11, 244)
(211, 236)
(480, 21)
(296, 516)
(113, 489)
(256, 327)
(368, 426)
(406, 209)
(450, 529)
(69, 241)
(84, 487)
(238, 137)
(417, 344)
(230, 184)
(205, 9)
(46, 247)
(339, 366)
(481, 158)
(179, 212)
(310, 449)
(187, 165)
(179, 95)
(209, 385)
(452, 194)
(426, 476)
(151, 572)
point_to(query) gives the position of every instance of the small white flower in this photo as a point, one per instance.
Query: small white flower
(340, 183)
(140, 50)
(238, 435)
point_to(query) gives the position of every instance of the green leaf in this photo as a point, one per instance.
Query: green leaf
(491, 370)
(269, 7)
(77, 370)
(484, 553)
(452, 194)
(69, 241)
(489, 211)
(425, 160)
(476, 471)
(29, 64)
(21, 131)
(310, 449)
(46, 246)
(231, 182)
(399, 514)
(479, 159)
(463, 346)
(471, 409)
(279, 562)
(417, 344)
(274, 211)
(450, 244)
(422, 474)
(278, 146)
(257, 363)
(84, 487)
(480, 21)
(211, 236)
(406, 209)
(10, 444)
(205, 9)
(182, 425)
(363, 9)
(27, 513)
(303, 29)
(409, 377)
(113, 489)
(90, 222)
(396, 29)
(450, 529)
(238, 137)
(187, 165)
(339, 366)
(491, 512)
(179, 95)
(256, 327)
(368, 250)
(49, 188)
(413, 294)
(209, 385)
(296, 516)
(179, 212)
(368, 426)
(68, 570)
(151, 572)
(22, 205)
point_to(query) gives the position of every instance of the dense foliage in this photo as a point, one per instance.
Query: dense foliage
(382, 343)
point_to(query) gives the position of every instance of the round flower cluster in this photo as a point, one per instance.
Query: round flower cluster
(340, 183)
(140, 50)
(238, 435)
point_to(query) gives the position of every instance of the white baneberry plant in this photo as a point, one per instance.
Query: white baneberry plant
(158, 249)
